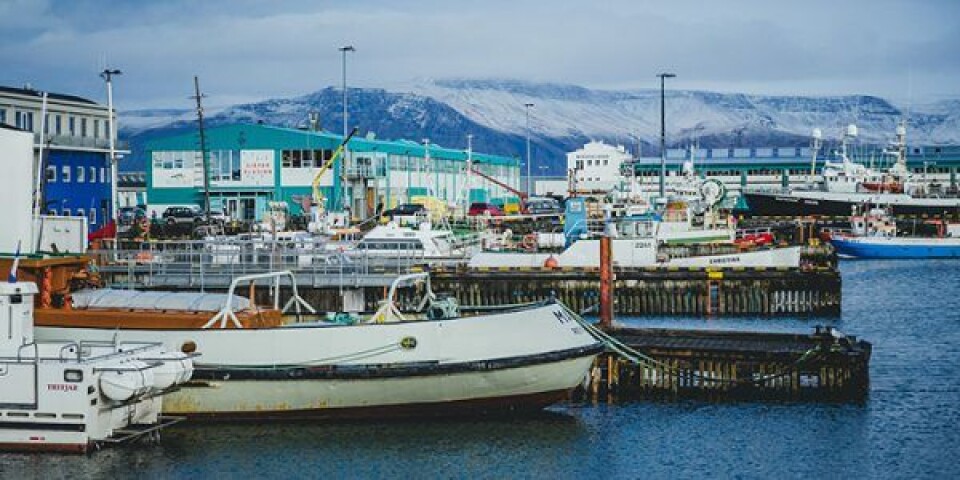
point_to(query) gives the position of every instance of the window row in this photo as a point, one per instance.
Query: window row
(170, 160)
(57, 124)
(75, 174)
(304, 158)
(80, 212)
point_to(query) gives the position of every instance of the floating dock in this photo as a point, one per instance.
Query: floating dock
(733, 365)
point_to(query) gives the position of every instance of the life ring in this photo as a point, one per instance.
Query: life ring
(529, 241)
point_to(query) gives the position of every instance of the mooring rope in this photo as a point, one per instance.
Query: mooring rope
(638, 358)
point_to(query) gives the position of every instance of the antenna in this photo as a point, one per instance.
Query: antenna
(203, 146)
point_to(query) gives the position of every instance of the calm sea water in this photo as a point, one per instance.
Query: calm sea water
(907, 429)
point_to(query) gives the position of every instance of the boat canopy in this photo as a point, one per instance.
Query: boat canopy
(156, 300)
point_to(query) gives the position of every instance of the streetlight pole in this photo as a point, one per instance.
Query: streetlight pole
(663, 134)
(346, 156)
(527, 106)
(107, 74)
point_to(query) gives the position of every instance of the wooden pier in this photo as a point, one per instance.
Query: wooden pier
(654, 291)
(732, 365)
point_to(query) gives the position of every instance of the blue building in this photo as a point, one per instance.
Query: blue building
(76, 159)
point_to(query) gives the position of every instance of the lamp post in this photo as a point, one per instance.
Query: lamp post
(663, 133)
(107, 74)
(346, 150)
(527, 106)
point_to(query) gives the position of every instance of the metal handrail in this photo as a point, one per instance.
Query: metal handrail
(227, 313)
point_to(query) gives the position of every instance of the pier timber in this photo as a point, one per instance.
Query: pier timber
(655, 291)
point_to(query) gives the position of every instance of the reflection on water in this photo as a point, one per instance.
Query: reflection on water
(910, 311)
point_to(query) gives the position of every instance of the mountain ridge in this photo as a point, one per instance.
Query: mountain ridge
(564, 116)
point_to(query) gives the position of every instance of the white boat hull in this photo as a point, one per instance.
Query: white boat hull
(520, 388)
(532, 356)
(637, 253)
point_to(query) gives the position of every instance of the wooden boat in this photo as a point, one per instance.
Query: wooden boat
(280, 361)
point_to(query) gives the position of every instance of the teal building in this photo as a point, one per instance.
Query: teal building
(250, 166)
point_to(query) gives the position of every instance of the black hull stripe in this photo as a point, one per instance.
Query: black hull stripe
(47, 427)
(420, 369)
(785, 205)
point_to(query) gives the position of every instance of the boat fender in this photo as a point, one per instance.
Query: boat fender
(135, 378)
(177, 368)
(551, 262)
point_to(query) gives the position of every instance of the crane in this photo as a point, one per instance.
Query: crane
(523, 195)
(319, 211)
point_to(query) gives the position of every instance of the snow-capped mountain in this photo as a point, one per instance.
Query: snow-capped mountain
(563, 117)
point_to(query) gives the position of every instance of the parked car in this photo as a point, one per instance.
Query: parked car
(542, 206)
(189, 215)
(404, 209)
(481, 208)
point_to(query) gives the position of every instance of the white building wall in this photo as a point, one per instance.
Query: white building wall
(16, 196)
(597, 165)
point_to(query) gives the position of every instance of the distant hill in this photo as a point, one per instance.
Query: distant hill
(566, 116)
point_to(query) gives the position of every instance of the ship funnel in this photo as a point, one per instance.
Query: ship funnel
(851, 130)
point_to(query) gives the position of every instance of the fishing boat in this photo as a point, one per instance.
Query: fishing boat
(282, 361)
(847, 185)
(71, 396)
(875, 235)
(648, 240)
(896, 247)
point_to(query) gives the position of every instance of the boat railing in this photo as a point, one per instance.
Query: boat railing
(226, 313)
(216, 261)
(388, 311)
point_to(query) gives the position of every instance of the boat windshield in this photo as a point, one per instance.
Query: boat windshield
(636, 228)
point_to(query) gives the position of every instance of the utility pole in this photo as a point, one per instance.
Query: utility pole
(107, 74)
(203, 147)
(346, 150)
(663, 134)
(527, 106)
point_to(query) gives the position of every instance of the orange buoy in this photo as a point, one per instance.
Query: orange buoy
(551, 262)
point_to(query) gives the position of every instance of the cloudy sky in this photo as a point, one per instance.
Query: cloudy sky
(245, 50)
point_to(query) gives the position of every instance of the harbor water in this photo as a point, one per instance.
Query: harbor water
(909, 427)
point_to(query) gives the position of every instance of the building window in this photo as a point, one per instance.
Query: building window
(56, 121)
(51, 174)
(103, 175)
(93, 215)
(81, 174)
(65, 174)
(93, 174)
(96, 128)
(67, 212)
(81, 212)
(72, 126)
(225, 165)
(3, 116)
(24, 120)
(52, 211)
(83, 127)
(46, 124)
(304, 158)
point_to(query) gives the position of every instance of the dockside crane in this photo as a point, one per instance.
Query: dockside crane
(321, 219)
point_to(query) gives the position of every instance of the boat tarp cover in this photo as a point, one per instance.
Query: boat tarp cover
(155, 300)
